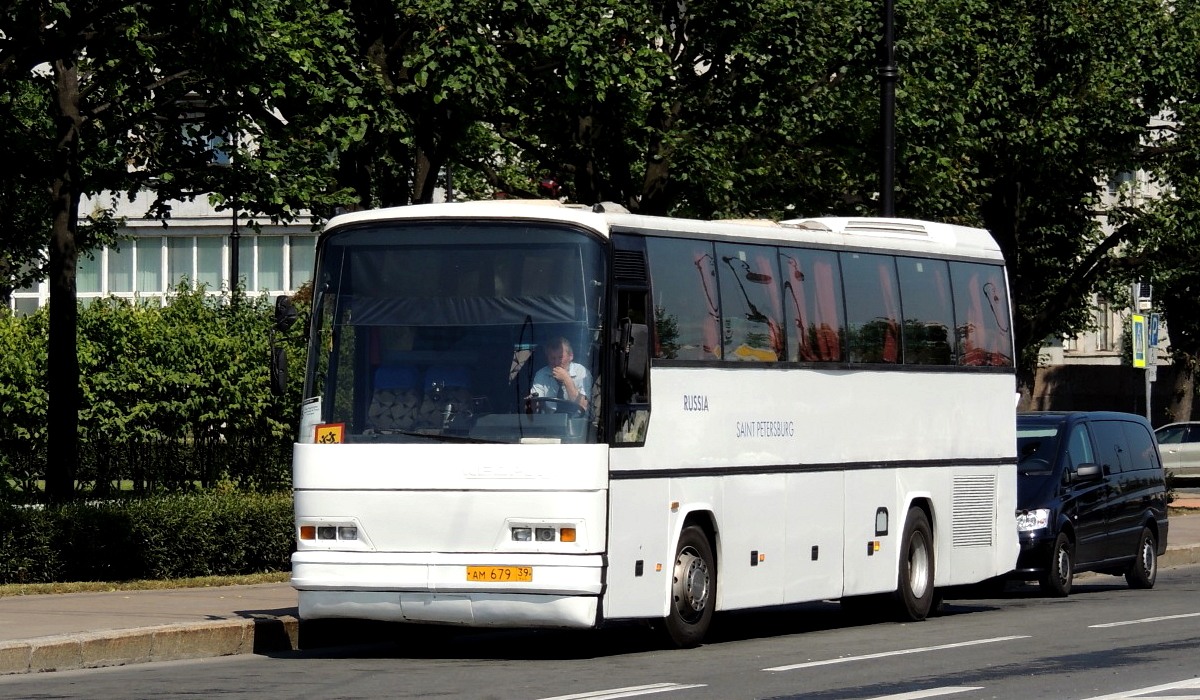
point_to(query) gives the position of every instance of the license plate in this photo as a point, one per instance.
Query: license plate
(499, 574)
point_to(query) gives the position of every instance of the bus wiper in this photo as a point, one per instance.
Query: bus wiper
(435, 437)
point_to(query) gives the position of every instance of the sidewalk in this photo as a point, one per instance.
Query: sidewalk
(90, 630)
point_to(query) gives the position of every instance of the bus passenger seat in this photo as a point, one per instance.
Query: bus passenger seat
(446, 393)
(395, 398)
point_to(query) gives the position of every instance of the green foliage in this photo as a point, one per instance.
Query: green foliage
(173, 397)
(214, 534)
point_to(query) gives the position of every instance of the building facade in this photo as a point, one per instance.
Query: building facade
(197, 245)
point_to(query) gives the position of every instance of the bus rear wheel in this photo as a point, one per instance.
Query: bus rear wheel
(693, 589)
(914, 585)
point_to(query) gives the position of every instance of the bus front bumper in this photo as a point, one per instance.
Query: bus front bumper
(433, 588)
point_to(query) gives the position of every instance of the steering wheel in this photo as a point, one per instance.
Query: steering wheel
(1034, 464)
(561, 405)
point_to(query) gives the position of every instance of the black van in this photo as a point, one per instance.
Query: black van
(1090, 497)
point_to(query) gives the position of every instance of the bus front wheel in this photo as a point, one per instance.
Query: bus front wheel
(914, 590)
(693, 589)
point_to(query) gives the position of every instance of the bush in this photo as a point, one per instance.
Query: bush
(174, 398)
(211, 534)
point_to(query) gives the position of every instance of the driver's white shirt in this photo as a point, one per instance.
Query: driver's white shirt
(544, 384)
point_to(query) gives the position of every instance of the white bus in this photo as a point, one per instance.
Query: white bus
(760, 414)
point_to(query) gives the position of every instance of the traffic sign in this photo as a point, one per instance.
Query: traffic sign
(1138, 326)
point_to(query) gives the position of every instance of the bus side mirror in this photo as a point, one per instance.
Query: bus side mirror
(285, 318)
(279, 375)
(285, 314)
(635, 350)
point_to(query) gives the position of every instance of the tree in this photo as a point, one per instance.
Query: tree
(1014, 116)
(120, 82)
(1172, 219)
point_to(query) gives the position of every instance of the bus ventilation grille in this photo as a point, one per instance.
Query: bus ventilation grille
(885, 226)
(974, 510)
(629, 265)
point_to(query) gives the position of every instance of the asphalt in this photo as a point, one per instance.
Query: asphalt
(40, 633)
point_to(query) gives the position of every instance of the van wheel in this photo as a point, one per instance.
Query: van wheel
(1144, 569)
(914, 585)
(1060, 572)
(693, 589)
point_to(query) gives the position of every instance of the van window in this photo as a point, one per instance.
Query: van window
(1111, 446)
(1079, 448)
(1142, 452)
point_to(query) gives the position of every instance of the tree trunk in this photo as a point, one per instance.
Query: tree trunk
(1183, 388)
(62, 367)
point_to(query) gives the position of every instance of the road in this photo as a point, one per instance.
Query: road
(1105, 641)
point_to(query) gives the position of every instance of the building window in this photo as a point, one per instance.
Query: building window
(87, 274)
(210, 262)
(150, 267)
(179, 260)
(120, 267)
(270, 262)
(1103, 327)
(1124, 179)
(302, 253)
(149, 264)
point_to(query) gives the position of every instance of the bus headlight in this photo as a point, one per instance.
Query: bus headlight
(327, 533)
(1029, 520)
(541, 533)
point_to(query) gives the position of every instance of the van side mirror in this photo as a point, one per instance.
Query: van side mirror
(1087, 472)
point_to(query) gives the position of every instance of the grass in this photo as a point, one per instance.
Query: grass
(16, 589)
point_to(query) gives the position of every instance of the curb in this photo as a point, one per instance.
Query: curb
(139, 645)
(1181, 555)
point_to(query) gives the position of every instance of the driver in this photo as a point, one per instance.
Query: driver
(561, 378)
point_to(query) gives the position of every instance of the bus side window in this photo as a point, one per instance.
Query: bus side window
(813, 302)
(686, 316)
(872, 308)
(928, 312)
(981, 314)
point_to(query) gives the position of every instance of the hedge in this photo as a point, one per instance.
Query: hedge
(161, 537)
(175, 398)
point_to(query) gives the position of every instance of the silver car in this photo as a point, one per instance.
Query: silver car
(1179, 444)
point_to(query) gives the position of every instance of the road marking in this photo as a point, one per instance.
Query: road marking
(932, 692)
(898, 652)
(1190, 684)
(629, 692)
(1146, 619)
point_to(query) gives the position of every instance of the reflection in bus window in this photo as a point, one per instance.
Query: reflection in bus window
(811, 280)
(928, 312)
(983, 334)
(872, 307)
(685, 299)
(750, 303)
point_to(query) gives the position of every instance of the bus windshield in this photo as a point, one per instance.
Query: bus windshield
(442, 331)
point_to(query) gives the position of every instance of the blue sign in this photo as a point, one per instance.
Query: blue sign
(1154, 329)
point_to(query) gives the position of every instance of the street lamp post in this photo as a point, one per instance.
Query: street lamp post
(235, 237)
(888, 74)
